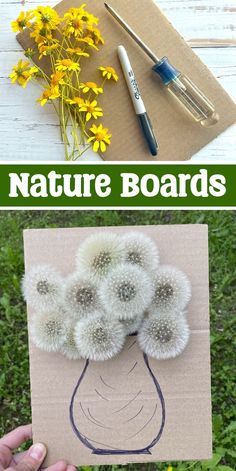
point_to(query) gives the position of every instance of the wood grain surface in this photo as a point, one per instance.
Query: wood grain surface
(31, 132)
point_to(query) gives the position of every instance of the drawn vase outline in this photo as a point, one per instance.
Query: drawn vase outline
(99, 413)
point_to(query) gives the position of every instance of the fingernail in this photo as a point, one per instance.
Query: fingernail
(38, 451)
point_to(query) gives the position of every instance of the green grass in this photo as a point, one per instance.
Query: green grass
(14, 362)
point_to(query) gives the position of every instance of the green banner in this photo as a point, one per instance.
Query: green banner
(120, 185)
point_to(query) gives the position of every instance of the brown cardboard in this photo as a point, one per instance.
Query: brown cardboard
(178, 135)
(184, 381)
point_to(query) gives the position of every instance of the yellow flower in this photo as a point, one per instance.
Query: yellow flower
(57, 78)
(91, 87)
(50, 93)
(95, 34)
(77, 50)
(88, 41)
(67, 64)
(169, 468)
(46, 17)
(109, 73)
(74, 22)
(23, 21)
(76, 19)
(89, 18)
(101, 138)
(75, 101)
(22, 73)
(41, 35)
(91, 109)
(46, 49)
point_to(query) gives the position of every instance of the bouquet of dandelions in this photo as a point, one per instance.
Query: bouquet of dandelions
(118, 289)
(66, 43)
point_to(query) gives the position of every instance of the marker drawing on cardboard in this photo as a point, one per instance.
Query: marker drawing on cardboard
(113, 418)
(115, 373)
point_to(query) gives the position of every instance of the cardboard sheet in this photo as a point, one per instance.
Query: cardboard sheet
(178, 135)
(117, 404)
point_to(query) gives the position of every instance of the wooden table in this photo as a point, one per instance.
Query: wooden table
(30, 132)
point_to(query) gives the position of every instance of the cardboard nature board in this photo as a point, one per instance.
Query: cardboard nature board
(117, 404)
(178, 135)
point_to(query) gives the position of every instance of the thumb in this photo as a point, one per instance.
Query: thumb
(32, 460)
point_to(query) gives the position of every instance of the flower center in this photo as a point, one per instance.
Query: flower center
(43, 287)
(22, 23)
(43, 32)
(85, 296)
(134, 257)
(163, 333)
(90, 108)
(53, 328)
(66, 62)
(163, 292)
(102, 260)
(100, 136)
(76, 23)
(99, 335)
(91, 84)
(45, 18)
(126, 291)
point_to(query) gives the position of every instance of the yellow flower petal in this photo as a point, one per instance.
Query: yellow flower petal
(96, 146)
(103, 146)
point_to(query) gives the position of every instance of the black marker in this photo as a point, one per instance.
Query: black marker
(139, 106)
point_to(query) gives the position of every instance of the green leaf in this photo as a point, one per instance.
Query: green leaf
(223, 467)
(231, 453)
(211, 464)
(230, 428)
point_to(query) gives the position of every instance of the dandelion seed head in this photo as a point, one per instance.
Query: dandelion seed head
(132, 325)
(140, 250)
(99, 338)
(126, 291)
(69, 348)
(172, 289)
(42, 287)
(164, 336)
(49, 329)
(99, 253)
(81, 295)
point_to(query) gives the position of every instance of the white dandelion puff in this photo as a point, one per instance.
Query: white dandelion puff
(42, 287)
(69, 348)
(49, 330)
(140, 250)
(172, 288)
(80, 295)
(126, 292)
(98, 338)
(164, 336)
(99, 253)
(132, 325)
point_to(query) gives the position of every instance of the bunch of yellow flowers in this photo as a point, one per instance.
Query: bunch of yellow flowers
(66, 43)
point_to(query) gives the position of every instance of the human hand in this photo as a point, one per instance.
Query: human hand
(29, 460)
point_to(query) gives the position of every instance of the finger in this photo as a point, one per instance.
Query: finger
(18, 456)
(32, 460)
(16, 437)
(71, 468)
(5, 457)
